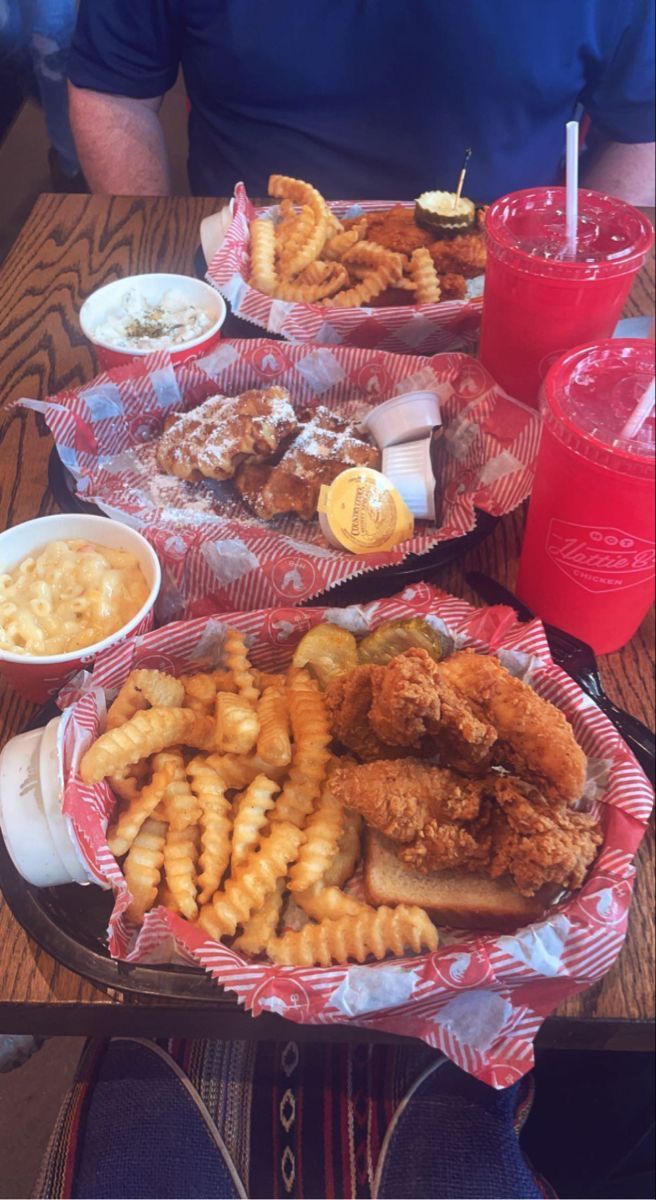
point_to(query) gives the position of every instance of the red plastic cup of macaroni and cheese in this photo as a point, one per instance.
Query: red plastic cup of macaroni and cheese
(132, 317)
(125, 591)
(538, 302)
(587, 562)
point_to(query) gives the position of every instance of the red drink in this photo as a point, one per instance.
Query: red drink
(587, 561)
(537, 301)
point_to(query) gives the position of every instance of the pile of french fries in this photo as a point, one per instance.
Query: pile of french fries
(224, 813)
(311, 257)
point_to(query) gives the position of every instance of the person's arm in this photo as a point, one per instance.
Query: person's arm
(623, 169)
(120, 143)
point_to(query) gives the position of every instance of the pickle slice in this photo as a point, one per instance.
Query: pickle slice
(393, 637)
(328, 651)
(443, 214)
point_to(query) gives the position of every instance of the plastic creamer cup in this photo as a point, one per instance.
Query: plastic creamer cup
(403, 418)
(538, 302)
(410, 469)
(36, 832)
(587, 562)
(362, 512)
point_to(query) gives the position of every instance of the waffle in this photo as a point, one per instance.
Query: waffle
(211, 441)
(325, 446)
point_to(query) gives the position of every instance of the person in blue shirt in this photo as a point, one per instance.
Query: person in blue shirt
(375, 99)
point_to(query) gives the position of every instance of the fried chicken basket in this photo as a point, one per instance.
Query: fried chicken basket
(214, 553)
(402, 329)
(481, 998)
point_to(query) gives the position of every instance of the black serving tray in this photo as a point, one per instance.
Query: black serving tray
(373, 585)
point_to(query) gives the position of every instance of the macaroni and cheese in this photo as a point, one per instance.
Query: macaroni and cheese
(68, 596)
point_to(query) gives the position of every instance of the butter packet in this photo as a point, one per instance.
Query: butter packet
(361, 511)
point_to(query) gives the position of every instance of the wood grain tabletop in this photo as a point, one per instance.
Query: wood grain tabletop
(69, 246)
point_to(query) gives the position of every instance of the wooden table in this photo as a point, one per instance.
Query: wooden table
(69, 246)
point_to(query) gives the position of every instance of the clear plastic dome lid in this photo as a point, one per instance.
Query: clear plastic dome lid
(590, 394)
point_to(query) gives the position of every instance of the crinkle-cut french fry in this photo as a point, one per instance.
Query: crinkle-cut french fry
(145, 733)
(334, 224)
(143, 867)
(323, 830)
(127, 783)
(374, 931)
(121, 835)
(250, 818)
(292, 234)
(237, 725)
(273, 743)
(166, 898)
(303, 193)
(336, 246)
(262, 925)
(312, 293)
(144, 689)
(215, 825)
(348, 852)
(204, 685)
(244, 893)
(239, 665)
(237, 770)
(263, 247)
(424, 276)
(311, 732)
(181, 806)
(265, 679)
(180, 857)
(202, 735)
(329, 903)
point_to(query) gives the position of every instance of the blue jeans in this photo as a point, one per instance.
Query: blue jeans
(38, 34)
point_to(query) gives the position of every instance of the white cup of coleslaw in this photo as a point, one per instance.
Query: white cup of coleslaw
(37, 677)
(106, 304)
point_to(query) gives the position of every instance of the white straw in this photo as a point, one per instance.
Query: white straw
(641, 412)
(572, 184)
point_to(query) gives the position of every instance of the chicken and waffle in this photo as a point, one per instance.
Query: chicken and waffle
(241, 796)
(379, 258)
(276, 461)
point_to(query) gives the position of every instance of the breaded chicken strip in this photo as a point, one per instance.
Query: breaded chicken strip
(536, 843)
(348, 700)
(439, 817)
(411, 699)
(534, 739)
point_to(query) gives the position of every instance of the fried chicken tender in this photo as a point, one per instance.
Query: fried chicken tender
(348, 700)
(534, 739)
(537, 844)
(402, 796)
(375, 710)
(465, 255)
(396, 230)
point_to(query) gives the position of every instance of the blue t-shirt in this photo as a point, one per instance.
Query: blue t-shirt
(378, 99)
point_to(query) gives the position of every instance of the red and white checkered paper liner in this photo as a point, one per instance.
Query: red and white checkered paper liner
(227, 559)
(402, 329)
(481, 998)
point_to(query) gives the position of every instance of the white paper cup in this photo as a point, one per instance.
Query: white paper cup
(35, 830)
(409, 468)
(100, 303)
(39, 676)
(403, 418)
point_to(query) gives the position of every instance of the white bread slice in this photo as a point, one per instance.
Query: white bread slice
(459, 899)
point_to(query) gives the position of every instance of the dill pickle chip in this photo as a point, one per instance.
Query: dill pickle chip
(328, 651)
(393, 637)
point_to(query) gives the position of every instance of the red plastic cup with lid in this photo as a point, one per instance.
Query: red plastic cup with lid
(539, 301)
(587, 561)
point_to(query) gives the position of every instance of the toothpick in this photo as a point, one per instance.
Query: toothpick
(461, 177)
